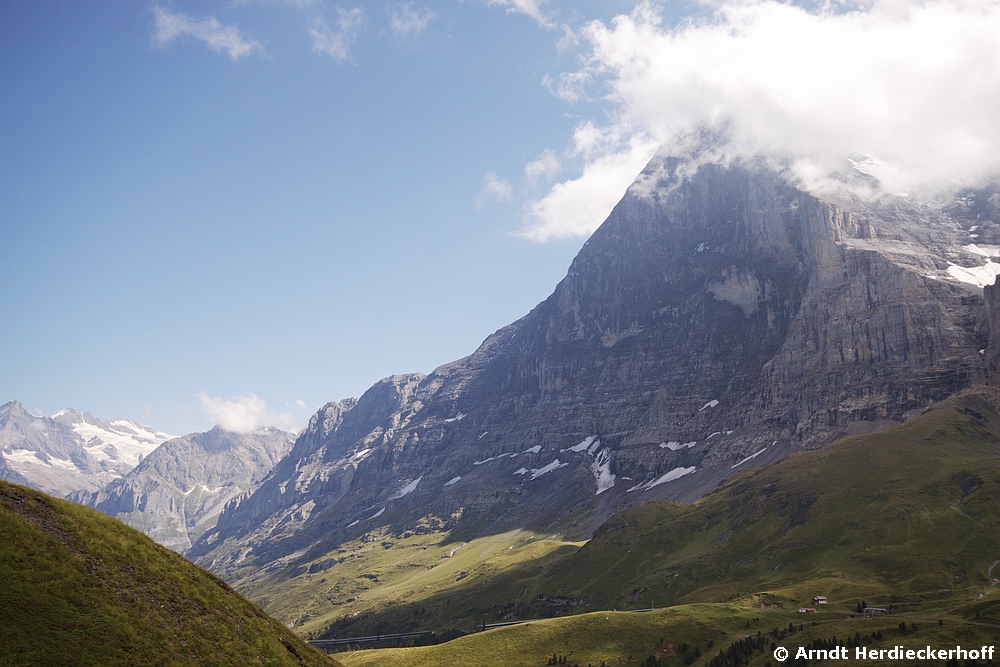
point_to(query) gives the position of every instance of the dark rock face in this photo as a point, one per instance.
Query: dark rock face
(713, 322)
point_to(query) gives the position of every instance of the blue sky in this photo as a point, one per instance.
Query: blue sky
(233, 212)
(284, 222)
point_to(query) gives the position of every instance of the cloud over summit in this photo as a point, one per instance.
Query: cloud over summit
(243, 414)
(914, 86)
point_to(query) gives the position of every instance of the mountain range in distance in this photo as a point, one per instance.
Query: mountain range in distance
(171, 488)
(70, 451)
(178, 491)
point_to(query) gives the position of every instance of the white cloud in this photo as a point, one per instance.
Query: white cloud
(301, 404)
(577, 207)
(242, 414)
(909, 88)
(545, 168)
(532, 8)
(914, 85)
(404, 20)
(219, 38)
(495, 188)
(337, 43)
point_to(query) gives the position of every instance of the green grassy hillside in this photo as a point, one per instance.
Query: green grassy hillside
(908, 517)
(696, 634)
(380, 583)
(80, 588)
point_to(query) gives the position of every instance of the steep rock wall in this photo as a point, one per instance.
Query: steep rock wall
(714, 321)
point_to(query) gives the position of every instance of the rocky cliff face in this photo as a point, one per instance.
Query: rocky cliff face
(179, 490)
(69, 452)
(715, 321)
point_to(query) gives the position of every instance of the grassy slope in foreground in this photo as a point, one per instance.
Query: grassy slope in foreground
(80, 588)
(684, 635)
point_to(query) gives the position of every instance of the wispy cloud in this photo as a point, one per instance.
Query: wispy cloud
(300, 4)
(242, 414)
(545, 168)
(494, 188)
(532, 8)
(220, 38)
(337, 42)
(405, 20)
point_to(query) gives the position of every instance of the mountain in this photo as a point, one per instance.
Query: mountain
(70, 451)
(720, 319)
(906, 516)
(80, 588)
(179, 489)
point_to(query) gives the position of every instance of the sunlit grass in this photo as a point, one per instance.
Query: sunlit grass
(80, 588)
(908, 517)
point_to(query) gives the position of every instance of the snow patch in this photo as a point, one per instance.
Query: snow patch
(377, 514)
(747, 459)
(64, 464)
(982, 250)
(601, 469)
(555, 465)
(24, 456)
(461, 415)
(710, 404)
(360, 456)
(130, 441)
(674, 445)
(453, 480)
(205, 489)
(532, 450)
(521, 471)
(492, 458)
(354, 523)
(980, 276)
(407, 490)
(586, 444)
(676, 473)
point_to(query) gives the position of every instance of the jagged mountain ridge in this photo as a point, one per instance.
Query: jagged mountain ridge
(179, 490)
(70, 451)
(715, 321)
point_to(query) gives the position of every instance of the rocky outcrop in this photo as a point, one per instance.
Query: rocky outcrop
(179, 490)
(715, 321)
